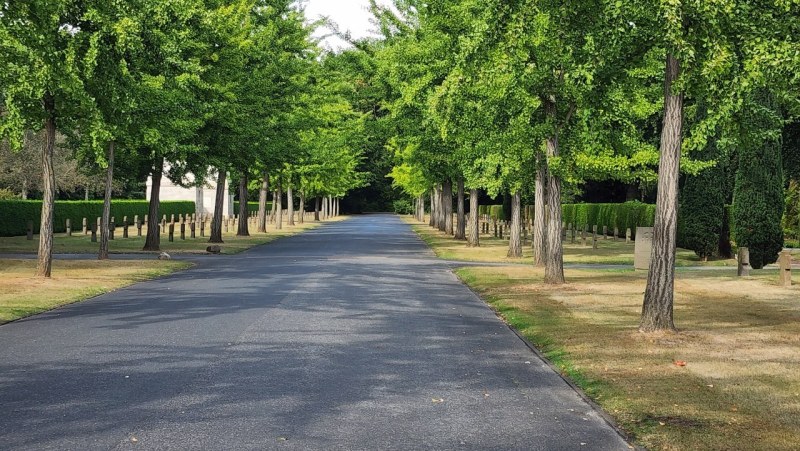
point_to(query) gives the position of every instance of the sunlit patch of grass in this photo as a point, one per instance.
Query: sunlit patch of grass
(23, 295)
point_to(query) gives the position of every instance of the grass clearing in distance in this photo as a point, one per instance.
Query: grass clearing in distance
(23, 295)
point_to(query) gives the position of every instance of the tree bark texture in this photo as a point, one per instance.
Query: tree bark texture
(274, 204)
(153, 240)
(515, 243)
(432, 219)
(262, 204)
(104, 223)
(554, 258)
(440, 211)
(421, 208)
(473, 239)
(289, 205)
(244, 210)
(316, 209)
(302, 209)
(539, 212)
(219, 203)
(659, 294)
(447, 199)
(461, 220)
(45, 258)
(279, 207)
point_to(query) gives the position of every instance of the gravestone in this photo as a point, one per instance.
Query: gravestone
(30, 231)
(138, 227)
(594, 237)
(743, 262)
(191, 229)
(69, 227)
(85, 226)
(627, 236)
(183, 230)
(171, 232)
(94, 233)
(605, 232)
(584, 232)
(573, 235)
(202, 229)
(616, 233)
(125, 228)
(643, 249)
(785, 268)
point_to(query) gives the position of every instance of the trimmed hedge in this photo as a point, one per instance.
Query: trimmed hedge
(15, 214)
(623, 216)
(629, 215)
(494, 211)
(252, 207)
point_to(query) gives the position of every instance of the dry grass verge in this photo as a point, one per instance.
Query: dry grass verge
(22, 295)
(739, 338)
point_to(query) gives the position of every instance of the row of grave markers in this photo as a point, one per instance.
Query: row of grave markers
(190, 221)
(643, 244)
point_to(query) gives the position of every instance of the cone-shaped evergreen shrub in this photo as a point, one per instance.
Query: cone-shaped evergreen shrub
(758, 195)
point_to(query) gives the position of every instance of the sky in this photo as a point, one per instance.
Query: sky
(350, 15)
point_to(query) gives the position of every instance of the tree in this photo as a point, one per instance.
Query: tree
(39, 75)
(758, 202)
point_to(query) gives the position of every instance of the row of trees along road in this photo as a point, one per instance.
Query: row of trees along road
(212, 87)
(525, 96)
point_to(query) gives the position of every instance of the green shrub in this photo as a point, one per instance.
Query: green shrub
(252, 207)
(7, 194)
(15, 214)
(758, 199)
(403, 207)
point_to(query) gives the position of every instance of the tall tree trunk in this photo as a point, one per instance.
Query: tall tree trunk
(45, 257)
(289, 204)
(554, 259)
(244, 210)
(432, 220)
(219, 203)
(302, 209)
(659, 294)
(324, 207)
(539, 212)
(262, 204)
(461, 220)
(23, 194)
(317, 203)
(279, 208)
(273, 209)
(440, 209)
(104, 223)
(515, 243)
(448, 207)
(473, 239)
(153, 240)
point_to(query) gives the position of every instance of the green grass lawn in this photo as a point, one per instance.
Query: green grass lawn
(79, 243)
(23, 295)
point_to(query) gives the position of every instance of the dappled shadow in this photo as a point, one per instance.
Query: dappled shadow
(321, 341)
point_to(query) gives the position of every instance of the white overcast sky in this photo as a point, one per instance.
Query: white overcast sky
(350, 15)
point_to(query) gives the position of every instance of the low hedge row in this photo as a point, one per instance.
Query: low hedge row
(15, 214)
(622, 216)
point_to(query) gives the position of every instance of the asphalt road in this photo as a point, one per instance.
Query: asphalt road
(351, 336)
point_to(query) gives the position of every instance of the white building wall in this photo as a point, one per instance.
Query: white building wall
(203, 197)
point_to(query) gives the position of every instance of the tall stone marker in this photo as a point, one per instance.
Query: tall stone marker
(643, 248)
(743, 262)
(785, 265)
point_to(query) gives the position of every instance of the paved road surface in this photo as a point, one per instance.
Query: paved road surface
(351, 336)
